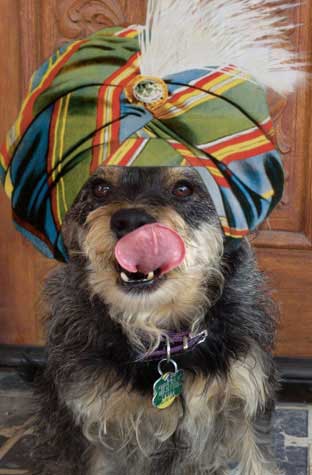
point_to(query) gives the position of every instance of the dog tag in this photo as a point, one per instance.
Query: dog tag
(168, 387)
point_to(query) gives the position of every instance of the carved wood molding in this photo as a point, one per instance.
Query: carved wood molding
(29, 30)
(79, 18)
(277, 105)
(281, 240)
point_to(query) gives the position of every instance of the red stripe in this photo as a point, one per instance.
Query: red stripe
(267, 127)
(5, 155)
(235, 140)
(230, 67)
(131, 152)
(235, 232)
(97, 136)
(123, 34)
(33, 231)
(210, 163)
(196, 161)
(220, 181)
(53, 192)
(115, 127)
(191, 160)
(99, 121)
(248, 153)
(198, 83)
(28, 110)
(53, 124)
(115, 108)
(207, 80)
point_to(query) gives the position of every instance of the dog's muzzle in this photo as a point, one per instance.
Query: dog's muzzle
(146, 250)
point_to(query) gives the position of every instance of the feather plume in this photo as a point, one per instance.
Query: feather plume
(181, 35)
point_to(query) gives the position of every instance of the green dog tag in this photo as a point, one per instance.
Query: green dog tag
(167, 388)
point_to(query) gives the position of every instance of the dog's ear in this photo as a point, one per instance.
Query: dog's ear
(74, 220)
(71, 233)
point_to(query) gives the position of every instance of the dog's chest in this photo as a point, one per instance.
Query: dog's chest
(125, 420)
(124, 416)
(128, 422)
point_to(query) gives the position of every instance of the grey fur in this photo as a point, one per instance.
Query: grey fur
(95, 415)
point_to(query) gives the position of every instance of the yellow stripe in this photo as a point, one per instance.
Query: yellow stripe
(228, 86)
(206, 86)
(121, 152)
(184, 108)
(50, 67)
(209, 84)
(10, 140)
(55, 155)
(8, 186)
(224, 221)
(132, 34)
(188, 151)
(184, 151)
(3, 164)
(215, 171)
(140, 133)
(241, 147)
(234, 236)
(124, 74)
(268, 194)
(105, 134)
(59, 168)
(27, 99)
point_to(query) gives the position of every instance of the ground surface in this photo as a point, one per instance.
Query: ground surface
(292, 422)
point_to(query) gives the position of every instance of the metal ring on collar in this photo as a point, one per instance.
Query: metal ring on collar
(167, 361)
(203, 335)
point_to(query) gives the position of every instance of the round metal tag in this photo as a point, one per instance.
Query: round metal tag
(148, 91)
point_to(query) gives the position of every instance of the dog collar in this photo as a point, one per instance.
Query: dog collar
(174, 343)
(169, 385)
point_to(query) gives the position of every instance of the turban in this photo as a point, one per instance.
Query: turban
(89, 105)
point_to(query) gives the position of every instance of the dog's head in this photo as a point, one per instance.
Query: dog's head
(173, 285)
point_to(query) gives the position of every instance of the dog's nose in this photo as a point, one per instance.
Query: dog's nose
(126, 220)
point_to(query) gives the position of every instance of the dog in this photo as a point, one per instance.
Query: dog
(104, 326)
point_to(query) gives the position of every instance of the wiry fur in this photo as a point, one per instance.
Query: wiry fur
(250, 34)
(96, 416)
(157, 311)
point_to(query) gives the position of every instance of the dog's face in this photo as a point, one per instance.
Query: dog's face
(117, 201)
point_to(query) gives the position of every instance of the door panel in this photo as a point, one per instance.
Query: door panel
(30, 31)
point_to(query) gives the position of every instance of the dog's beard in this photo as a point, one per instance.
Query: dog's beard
(180, 300)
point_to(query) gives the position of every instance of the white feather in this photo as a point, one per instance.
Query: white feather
(181, 35)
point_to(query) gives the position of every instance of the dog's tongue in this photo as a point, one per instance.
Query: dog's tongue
(150, 247)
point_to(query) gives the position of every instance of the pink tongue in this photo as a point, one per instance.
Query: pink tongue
(150, 247)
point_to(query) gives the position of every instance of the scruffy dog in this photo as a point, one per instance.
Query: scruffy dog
(103, 324)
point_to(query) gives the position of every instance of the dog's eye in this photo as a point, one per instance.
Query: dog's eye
(101, 190)
(182, 189)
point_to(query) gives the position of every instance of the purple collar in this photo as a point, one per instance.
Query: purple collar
(175, 343)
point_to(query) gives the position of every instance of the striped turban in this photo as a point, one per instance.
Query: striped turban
(89, 106)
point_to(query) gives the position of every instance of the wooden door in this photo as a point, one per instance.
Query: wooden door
(29, 31)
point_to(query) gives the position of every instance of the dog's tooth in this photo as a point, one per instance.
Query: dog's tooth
(150, 276)
(124, 277)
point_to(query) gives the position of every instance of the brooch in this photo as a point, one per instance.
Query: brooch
(147, 91)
